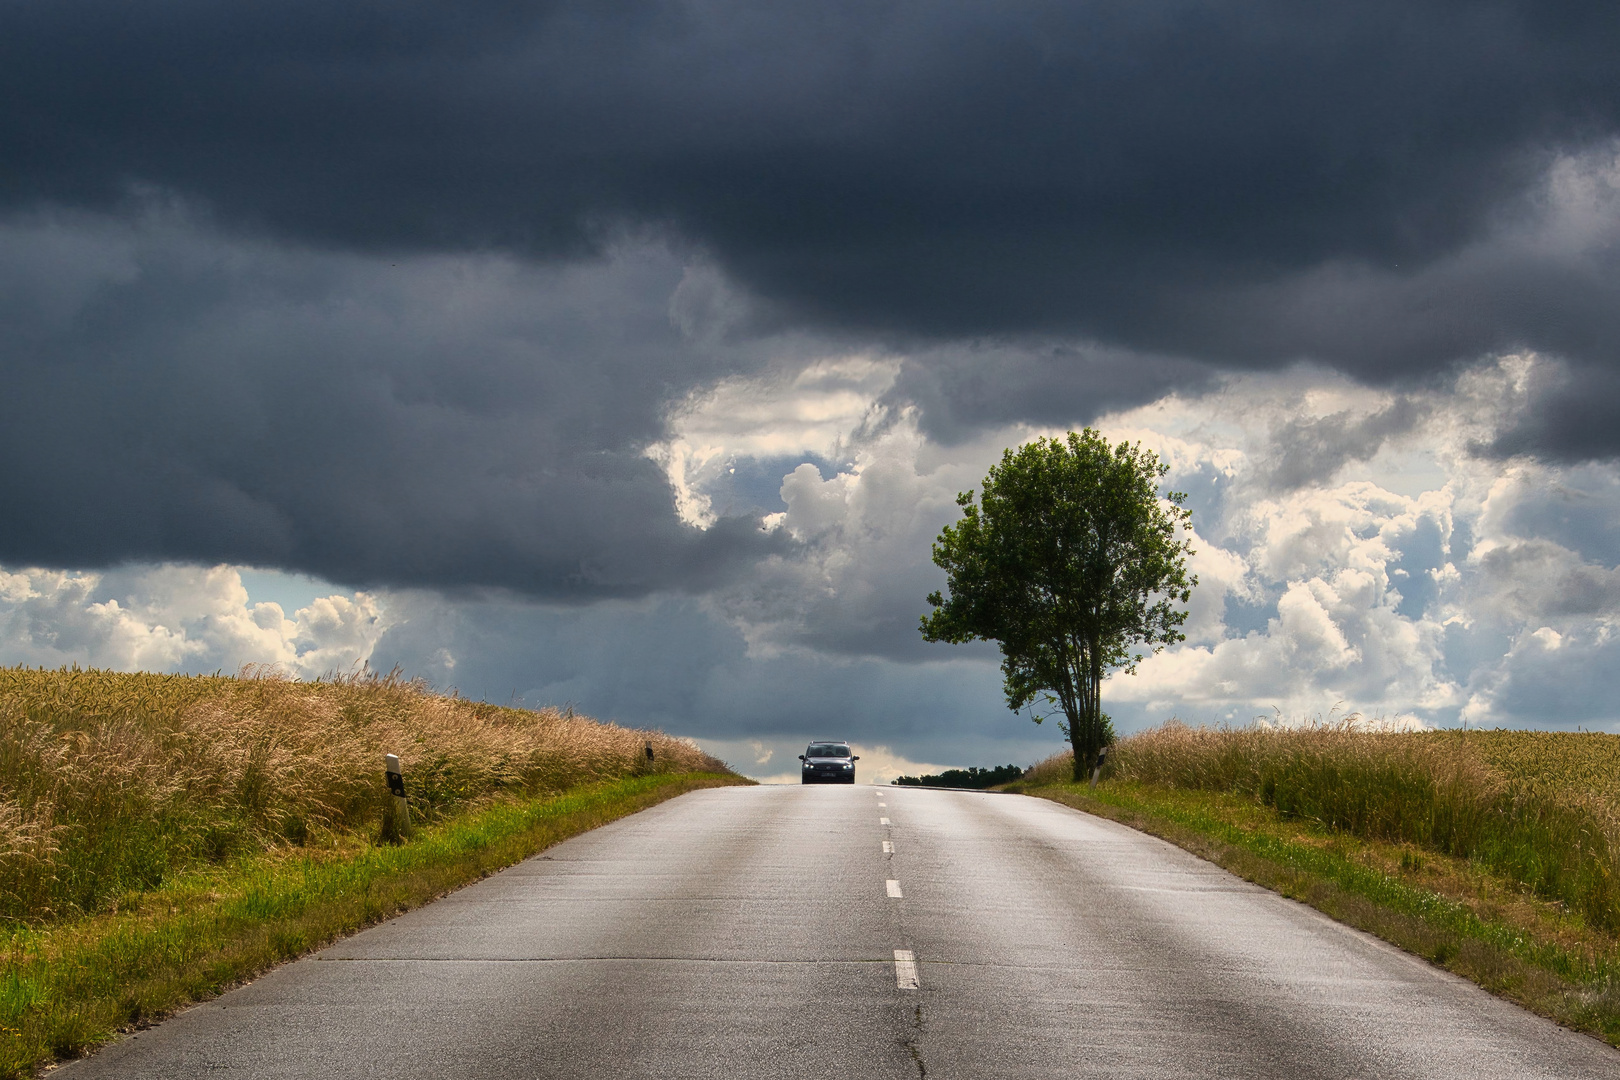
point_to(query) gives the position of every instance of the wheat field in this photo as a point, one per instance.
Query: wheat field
(111, 782)
(1541, 808)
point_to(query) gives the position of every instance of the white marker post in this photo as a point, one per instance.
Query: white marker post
(1102, 755)
(396, 784)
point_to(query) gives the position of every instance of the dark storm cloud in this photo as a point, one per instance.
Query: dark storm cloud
(396, 337)
(1567, 413)
(1309, 450)
(961, 389)
(435, 421)
(1117, 171)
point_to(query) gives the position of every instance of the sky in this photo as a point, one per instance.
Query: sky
(630, 355)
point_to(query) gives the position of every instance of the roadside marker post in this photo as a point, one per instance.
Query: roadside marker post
(396, 784)
(1102, 755)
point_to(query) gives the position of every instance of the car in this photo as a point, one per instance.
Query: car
(828, 761)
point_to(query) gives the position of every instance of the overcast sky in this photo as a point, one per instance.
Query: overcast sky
(631, 354)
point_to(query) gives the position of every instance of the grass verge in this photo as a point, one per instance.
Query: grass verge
(72, 985)
(113, 782)
(1485, 927)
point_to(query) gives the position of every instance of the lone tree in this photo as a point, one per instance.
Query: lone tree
(1070, 561)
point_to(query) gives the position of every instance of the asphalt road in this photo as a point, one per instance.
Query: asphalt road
(764, 932)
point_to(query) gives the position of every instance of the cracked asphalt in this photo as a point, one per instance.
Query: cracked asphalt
(752, 932)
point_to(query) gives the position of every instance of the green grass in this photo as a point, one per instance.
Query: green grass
(1456, 912)
(72, 984)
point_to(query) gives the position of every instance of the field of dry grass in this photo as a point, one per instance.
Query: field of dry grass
(110, 782)
(1536, 807)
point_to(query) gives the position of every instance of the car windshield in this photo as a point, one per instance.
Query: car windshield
(827, 749)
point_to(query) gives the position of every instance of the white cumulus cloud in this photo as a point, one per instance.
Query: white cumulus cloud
(177, 618)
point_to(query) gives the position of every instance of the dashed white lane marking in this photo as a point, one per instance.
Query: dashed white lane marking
(888, 847)
(883, 821)
(883, 804)
(894, 888)
(905, 970)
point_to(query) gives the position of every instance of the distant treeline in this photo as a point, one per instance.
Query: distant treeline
(971, 777)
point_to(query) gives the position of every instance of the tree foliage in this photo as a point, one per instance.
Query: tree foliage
(1072, 562)
(971, 777)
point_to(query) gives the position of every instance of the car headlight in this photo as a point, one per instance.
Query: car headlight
(849, 765)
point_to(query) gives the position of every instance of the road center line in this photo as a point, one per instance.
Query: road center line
(888, 847)
(905, 970)
(894, 888)
(883, 821)
(883, 804)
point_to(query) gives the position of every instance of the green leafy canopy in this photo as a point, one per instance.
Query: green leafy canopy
(1072, 562)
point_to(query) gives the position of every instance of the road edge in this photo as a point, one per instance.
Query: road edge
(285, 911)
(1497, 970)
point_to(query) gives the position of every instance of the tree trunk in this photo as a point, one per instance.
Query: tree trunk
(1085, 720)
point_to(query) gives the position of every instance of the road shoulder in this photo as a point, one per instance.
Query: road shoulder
(1526, 950)
(84, 983)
